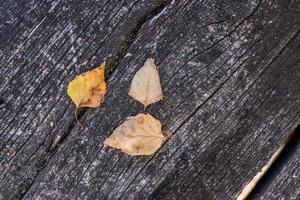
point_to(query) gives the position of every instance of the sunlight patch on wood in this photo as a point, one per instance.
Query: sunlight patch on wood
(250, 186)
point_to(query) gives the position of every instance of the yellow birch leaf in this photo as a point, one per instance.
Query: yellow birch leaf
(87, 89)
(145, 86)
(139, 135)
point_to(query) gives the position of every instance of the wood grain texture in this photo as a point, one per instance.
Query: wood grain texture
(42, 49)
(283, 179)
(230, 74)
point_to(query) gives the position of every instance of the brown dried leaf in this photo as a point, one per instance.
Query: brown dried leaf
(145, 86)
(139, 135)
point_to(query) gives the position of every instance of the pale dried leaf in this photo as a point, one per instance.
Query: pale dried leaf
(139, 135)
(145, 86)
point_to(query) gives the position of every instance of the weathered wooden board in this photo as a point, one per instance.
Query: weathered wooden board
(283, 180)
(42, 48)
(230, 74)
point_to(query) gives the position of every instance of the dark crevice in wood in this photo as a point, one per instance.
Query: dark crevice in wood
(26, 184)
(112, 63)
(114, 60)
(292, 143)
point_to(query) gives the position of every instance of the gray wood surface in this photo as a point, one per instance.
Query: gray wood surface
(283, 179)
(230, 74)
